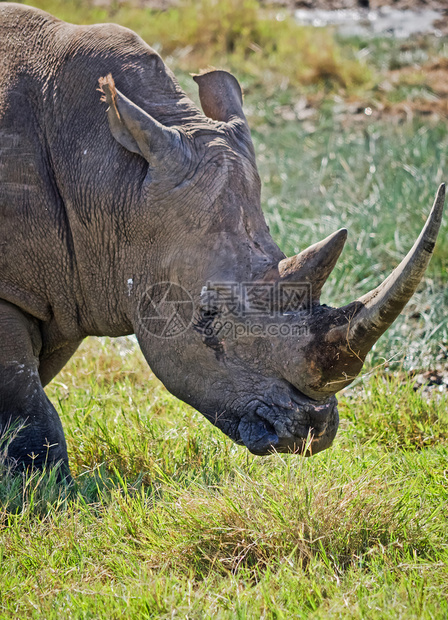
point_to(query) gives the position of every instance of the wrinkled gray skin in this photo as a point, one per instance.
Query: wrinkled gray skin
(93, 214)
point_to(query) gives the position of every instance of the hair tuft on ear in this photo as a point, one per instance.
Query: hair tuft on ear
(107, 87)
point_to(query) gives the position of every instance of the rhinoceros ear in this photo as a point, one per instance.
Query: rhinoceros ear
(220, 95)
(134, 128)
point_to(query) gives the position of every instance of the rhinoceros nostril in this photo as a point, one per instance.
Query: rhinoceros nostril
(258, 435)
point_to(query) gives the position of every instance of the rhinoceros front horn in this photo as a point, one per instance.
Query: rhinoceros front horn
(355, 328)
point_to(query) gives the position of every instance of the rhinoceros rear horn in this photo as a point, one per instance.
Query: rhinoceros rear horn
(136, 130)
(220, 95)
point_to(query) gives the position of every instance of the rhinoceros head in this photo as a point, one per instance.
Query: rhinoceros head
(225, 320)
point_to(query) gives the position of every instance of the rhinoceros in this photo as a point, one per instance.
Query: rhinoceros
(125, 209)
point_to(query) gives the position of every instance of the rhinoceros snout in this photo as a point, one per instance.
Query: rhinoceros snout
(306, 430)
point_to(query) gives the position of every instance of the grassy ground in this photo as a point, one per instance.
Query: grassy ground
(169, 519)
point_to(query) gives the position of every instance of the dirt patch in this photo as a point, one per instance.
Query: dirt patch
(434, 75)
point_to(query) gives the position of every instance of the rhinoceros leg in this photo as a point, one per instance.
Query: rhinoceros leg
(49, 366)
(30, 429)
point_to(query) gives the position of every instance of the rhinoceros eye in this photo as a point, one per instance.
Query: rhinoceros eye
(204, 321)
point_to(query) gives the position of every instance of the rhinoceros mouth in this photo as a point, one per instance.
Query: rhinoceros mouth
(306, 430)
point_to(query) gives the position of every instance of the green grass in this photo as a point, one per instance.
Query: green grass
(168, 515)
(389, 411)
(167, 518)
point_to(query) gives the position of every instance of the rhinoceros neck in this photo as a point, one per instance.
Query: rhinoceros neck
(67, 188)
